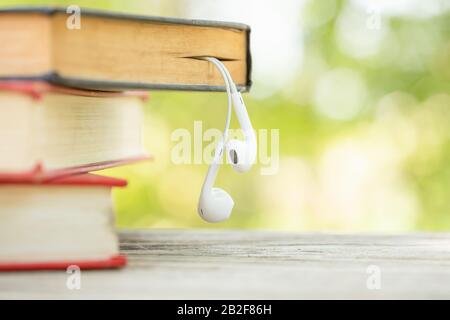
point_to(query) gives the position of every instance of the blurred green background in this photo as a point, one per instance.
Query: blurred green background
(360, 93)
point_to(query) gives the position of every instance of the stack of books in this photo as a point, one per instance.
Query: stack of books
(71, 102)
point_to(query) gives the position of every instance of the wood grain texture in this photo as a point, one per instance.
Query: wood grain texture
(176, 264)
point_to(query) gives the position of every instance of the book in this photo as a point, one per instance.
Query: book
(48, 131)
(115, 51)
(58, 223)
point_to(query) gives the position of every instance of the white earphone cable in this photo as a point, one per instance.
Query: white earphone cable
(215, 204)
(228, 84)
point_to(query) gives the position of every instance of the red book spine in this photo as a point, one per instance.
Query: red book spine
(41, 175)
(118, 261)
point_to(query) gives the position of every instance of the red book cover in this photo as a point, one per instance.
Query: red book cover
(36, 89)
(116, 261)
(40, 175)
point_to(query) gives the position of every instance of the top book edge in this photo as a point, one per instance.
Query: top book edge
(125, 16)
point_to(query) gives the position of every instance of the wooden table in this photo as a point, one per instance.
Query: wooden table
(176, 264)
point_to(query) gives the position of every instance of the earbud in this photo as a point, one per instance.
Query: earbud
(241, 154)
(216, 204)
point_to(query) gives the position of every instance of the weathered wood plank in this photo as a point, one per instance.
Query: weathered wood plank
(247, 264)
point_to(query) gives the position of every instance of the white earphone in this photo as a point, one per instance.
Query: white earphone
(216, 204)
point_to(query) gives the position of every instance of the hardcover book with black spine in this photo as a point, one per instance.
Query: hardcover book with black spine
(114, 51)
